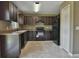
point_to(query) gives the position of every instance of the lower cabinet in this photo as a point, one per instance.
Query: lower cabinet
(31, 35)
(10, 46)
(23, 38)
(46, 36)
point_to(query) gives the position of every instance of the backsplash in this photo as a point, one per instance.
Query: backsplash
(14, 25)
(4, 25)
(33, 27)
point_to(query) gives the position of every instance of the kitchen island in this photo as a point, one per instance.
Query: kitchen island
(11, 43)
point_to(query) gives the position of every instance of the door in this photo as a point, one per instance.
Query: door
(65, 28)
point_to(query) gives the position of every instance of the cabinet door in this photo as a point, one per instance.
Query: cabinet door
(47, 20)
(25, 20)
(21, 19)
(29, 20)
(4, 11)
(10, 46)
(11, 10)
(50, 20)
(25, 37)
(15, 13)
(22, 40)
(47, 35)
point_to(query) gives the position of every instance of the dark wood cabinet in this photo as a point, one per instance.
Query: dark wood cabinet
(47, 19)
(56, 29)
(31, 20)
(15, 13)
(11, 10)
(24, 39)
(8, 11)
(20, 18)
(32, 35)
(47, 36)
(25, 20)
(4, 11)
(10, 46)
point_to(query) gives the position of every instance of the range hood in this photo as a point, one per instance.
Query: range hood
(40, 23)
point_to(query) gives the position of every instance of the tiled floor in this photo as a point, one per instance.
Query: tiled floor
(43, 49)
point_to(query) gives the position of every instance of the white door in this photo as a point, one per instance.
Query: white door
(65, 28)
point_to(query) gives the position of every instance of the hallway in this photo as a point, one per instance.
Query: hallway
(42, 49)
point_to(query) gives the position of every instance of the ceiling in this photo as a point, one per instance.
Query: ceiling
(47, 7)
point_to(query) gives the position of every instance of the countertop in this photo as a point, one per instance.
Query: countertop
(19, 31)
(13, 33)
(34, 27)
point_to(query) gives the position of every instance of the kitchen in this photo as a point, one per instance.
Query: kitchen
(39, 29)
(17, 28)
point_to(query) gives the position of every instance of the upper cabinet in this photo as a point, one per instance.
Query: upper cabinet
(25, 20)
(4, 11)
(47, 20)
(15, 13)
(32, 20)
(11, 10)
(8, 11)
(20, 19)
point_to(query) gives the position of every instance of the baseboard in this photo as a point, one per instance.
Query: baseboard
(73, 55)
(76, 55)
(69, 53)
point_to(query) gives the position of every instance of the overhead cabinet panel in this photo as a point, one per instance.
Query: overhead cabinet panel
(8, 11)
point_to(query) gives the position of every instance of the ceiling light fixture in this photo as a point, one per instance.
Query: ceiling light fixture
(36, 6)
